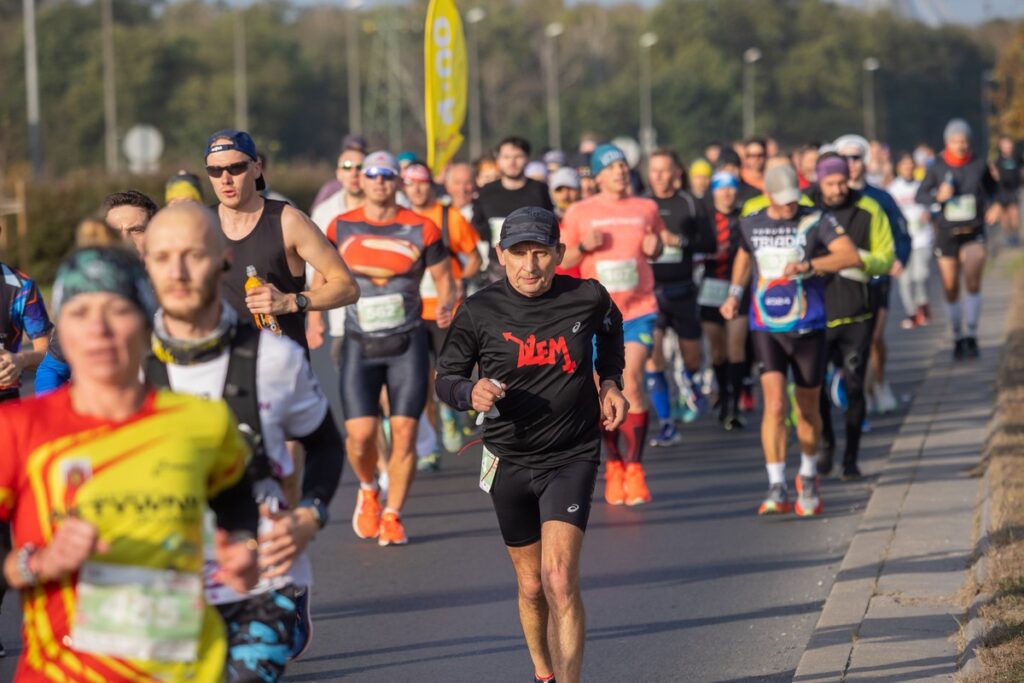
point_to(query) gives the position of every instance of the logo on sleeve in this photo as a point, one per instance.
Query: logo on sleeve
(576, 327)
(533, 352)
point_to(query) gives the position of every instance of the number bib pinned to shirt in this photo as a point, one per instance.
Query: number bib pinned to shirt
(384, 312)
(488, 468)
(713, 292)
(138, 613)
(618, 276)
(963, 207)
(670, 255)
(772, 261)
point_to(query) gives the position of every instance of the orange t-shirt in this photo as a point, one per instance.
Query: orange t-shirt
(620, 264)
(462, 239)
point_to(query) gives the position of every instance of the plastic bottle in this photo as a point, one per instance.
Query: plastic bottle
(264, 321)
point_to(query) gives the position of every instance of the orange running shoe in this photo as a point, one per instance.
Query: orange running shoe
(614, 482)
(366, 518)
(391, 530)
(808, 500)
(637, 492)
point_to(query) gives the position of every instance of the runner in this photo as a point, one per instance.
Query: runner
(755, 157)
(353, 142)
(689, 231)
(785, 247)
(460, 240)
(727, 340)
(848, 303)
(275, 238)
(610, 237)
(129, 212)
(388, 248)
(565, 190)
(501, 197)
(699, 177)
(113, 517)
(914, 280)
(959, 190)
(201, 347)
(533, 336)
(182, 187)
(1008, 169)
(458, 183)
(856, 151)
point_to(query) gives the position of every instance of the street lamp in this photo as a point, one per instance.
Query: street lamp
(473, 17)
(32, 87)
(871, 65)
(109, 92)
(551, 32)
(647, 134)
(355, 100)
(751, 56)
(241, 84)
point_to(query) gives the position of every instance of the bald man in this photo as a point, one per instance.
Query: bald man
(200, 347)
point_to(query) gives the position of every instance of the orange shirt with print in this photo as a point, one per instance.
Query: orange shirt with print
(462, 239)
(619, 264)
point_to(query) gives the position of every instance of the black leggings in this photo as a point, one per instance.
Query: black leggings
(848, 347)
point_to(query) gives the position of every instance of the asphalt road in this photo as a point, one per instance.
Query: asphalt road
(693, 587)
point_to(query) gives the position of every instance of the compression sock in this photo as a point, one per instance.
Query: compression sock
(611, 443)
(776, 473)
(972, 311)
(634, 430)
(657, 389)
(808, 465)
(737, 373)
(722, 380)
(954, 318)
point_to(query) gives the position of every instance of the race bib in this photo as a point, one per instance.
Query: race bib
(713, 292)
(488, 468)
(618, 276)
(670, 255)
(428, 290)
(376, 313)
(495, 225)
(138, 613)
(772, 261)
(963, 207)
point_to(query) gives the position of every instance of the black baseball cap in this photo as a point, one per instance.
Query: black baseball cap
(530, 224)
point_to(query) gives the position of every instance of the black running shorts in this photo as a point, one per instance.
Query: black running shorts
(948, 243)
(879, 290)
(525, 497)
(804, 353)
(677, 309)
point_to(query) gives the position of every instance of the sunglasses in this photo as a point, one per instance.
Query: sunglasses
(378, 172)
(853, 157)
(237, 168)
(348, 166)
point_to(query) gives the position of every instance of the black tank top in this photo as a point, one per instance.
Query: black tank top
(264, 249)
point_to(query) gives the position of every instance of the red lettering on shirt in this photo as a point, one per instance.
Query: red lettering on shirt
(532, 352)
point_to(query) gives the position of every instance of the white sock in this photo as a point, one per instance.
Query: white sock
(972, 309)
(387, 510)
(954, 318)
(776, 473)
(808, 465)
(372, 486)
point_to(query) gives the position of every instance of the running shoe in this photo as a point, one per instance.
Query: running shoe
(302, 633)
(851, 472)
(637, 492)
(827, 458)
(614, 482)
(777, 501)
(960, 349)
(885, 400)
(668, 435)
(747, 403)
(451, 434)
(971, 347)
(546, 679)
(926, 312)
(391, 530)
(908, 323)
(808, 500)
(920, 318)
(429, 463)
(733, 421)
(366, 518)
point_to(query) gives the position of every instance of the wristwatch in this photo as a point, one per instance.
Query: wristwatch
(25, 553)
(319, 509)
(617, 379)
(301, 302)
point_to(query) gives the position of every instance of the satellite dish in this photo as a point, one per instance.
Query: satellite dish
(629, 147)
(143, 145)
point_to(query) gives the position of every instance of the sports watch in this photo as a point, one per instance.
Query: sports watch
(301, 302)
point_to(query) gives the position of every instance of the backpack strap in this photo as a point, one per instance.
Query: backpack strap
(241, 395)
(155, 371)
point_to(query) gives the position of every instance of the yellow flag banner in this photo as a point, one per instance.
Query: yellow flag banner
(444, 60)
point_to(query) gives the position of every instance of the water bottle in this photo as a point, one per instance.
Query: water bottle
(264, 321)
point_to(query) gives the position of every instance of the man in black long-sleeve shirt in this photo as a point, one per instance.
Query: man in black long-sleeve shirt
(538, 339)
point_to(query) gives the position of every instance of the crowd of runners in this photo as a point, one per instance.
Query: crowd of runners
(179, 451)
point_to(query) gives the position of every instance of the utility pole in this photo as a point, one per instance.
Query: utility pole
(109, 92)
(751, 56)
(241, 84)
(871, 65)
(473, 17)
(355, 100)
(551, 32)
(394, 87)
(647, 134)
(32, 88)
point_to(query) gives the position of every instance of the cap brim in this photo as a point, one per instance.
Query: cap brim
(786, 196)
(527, 237)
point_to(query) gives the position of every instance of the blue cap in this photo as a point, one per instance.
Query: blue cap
(724, 179)
(604, 156)
(239, 140)
(406, 156)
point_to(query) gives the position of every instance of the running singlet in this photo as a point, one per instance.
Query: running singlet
(144, 483)
(462, 239)
(780, 303)
(620, 264)
(388, 261)
(22, 311)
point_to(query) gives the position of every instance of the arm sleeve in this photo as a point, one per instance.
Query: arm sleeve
(611, 348)
(325, 453)
(434, 251)
(35, 321)
(456, 362)
(228, 487)
(878, 259)
(702, 239)
(51, 374)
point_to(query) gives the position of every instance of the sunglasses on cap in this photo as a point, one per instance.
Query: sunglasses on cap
(237, 168)
(380, 172)
(853, 157)
(349, 165)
